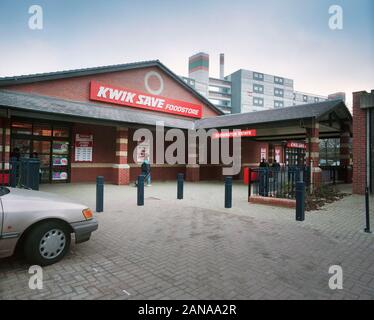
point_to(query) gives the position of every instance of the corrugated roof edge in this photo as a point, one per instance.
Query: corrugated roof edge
(53, 102)
(240, 118)
(38, 77)
(266, 116)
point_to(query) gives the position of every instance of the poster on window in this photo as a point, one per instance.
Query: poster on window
(277, 155)
(59, 175)
(83, 147)
(143, 152)
(263, 154)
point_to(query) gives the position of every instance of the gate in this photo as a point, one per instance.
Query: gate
(23, 173)
(277, 182)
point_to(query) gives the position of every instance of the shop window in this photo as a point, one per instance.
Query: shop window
(329, 152)
(60, 153)
(42, 147)
(62, 132)
(60, 147)
(48, 142)
(42, 130)
(21, 128)
(21, 148)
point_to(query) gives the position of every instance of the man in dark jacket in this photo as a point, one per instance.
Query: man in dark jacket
(276, 165)
(146, 171)
(263, 163)
(264, 176)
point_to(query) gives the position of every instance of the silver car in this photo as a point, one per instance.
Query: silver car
(41, 224)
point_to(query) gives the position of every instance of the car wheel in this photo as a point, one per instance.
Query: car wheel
(47, 243)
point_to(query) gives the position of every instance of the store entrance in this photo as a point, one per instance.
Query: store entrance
(49, 142)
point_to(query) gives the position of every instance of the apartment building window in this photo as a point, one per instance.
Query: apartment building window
(278, 104)
(258, 76)
(259, 102)
(278, 80)
(278, 92)
(305, 98)
(258, 88)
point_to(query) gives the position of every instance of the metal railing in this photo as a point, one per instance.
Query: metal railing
(333, 174)
(23, 173)
(277, 182)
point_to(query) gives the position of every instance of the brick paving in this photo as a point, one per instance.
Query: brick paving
(196, 249)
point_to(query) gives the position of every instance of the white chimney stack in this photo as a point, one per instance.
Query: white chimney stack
(222, 66)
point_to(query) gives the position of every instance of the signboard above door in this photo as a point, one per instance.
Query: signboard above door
(235, 134)
(296, 145)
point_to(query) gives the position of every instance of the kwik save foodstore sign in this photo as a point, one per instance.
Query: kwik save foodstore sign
(137, 99)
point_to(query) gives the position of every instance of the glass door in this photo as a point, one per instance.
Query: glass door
(42, 151)
(21, 148)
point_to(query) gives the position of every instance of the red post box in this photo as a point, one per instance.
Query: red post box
(246, 176)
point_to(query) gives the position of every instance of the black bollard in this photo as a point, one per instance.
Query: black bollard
(99, 194)
(300, 201)
(180, 181)
(14, 167)
(141, 190)
(228, 192)
(367, 211)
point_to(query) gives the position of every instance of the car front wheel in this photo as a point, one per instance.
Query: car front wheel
(47, 243)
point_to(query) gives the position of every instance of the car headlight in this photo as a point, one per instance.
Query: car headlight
(87, 213)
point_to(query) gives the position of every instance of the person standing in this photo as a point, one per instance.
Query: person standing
(146, 172)
(264, 176)
(15, 154)
(263, 163)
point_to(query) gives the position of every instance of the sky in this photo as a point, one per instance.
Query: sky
(289, 38)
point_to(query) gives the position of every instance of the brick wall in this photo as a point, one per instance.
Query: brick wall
(104, 146)
(251, 151)
(359, 146)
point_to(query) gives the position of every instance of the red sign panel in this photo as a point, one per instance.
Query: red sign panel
(299, 145)
(235, 134)
(83, 140)
(137, 99)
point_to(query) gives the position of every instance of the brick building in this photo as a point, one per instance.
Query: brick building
(81, 124)
(363, 138)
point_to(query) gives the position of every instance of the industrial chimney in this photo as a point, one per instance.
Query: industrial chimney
(222, 66)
